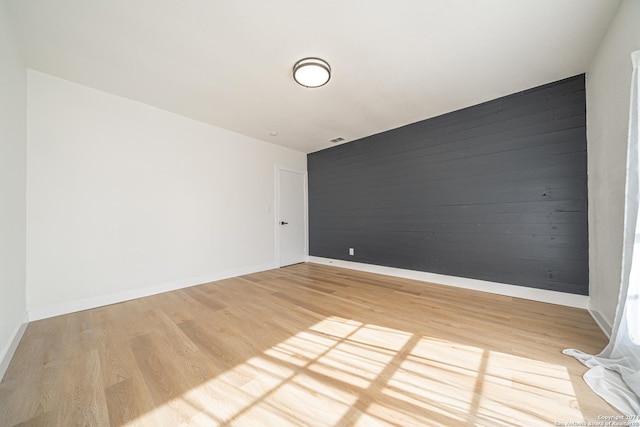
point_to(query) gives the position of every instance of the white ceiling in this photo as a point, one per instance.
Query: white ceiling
(228, 63)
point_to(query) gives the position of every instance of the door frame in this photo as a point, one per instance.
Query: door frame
(276, 211)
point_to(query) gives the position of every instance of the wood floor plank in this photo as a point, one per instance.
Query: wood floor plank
(129, 402)
(306, 345)
(82, 398)
(43, 420)
(164, 386)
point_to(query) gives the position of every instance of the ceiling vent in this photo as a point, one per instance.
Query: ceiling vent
(336, 140)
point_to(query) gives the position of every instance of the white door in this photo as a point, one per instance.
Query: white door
(291, 217)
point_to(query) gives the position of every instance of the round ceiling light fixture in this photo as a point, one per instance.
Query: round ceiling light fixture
(312, 72)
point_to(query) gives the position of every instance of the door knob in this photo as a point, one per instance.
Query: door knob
(283, 223)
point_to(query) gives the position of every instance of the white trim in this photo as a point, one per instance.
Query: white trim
(541, 295)
(276, 210)
(99, 301)
(276, 215)
(306, 215)
(600, 320)
(10, 349)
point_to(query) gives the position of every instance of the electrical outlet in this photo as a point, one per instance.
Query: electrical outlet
(352, 251)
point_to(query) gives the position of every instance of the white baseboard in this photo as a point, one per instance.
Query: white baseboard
(100, 301)
(10, 348)
(541, 295)
(601, 322)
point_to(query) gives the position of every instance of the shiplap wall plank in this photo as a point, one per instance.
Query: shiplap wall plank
(496, 191)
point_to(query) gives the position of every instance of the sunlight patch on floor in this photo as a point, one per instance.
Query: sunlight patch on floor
(340, 371)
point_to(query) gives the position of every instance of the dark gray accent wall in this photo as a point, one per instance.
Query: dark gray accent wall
(497, 191)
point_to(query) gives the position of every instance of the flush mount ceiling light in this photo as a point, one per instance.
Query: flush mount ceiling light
(311, 72)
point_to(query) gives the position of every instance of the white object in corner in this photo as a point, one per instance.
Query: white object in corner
(541, 295)
(10, 349)
(600, 320)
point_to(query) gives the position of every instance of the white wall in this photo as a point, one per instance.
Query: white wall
(124, 199)
(608, 86)
(12, 190)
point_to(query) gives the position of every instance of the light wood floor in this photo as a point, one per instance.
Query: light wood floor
(306, 345)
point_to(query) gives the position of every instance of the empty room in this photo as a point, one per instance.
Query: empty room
(342, 213)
